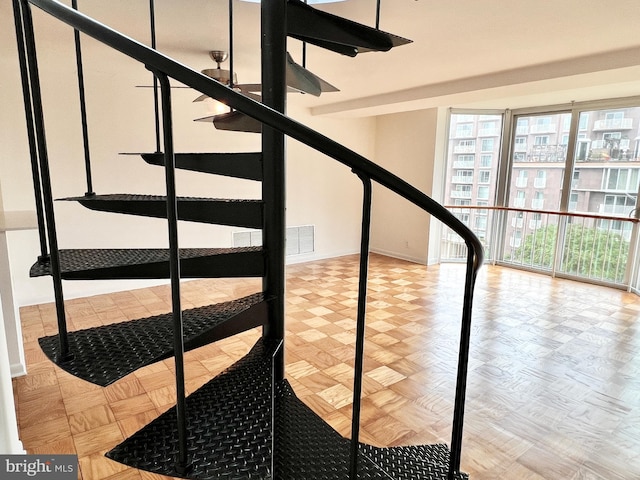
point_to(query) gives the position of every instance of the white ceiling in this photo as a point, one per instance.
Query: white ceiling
(485, 53)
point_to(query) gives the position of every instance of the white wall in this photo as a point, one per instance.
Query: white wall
(9, 440)
(321, 192)
(405, 145)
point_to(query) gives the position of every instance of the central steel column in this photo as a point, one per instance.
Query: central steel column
(274, 49)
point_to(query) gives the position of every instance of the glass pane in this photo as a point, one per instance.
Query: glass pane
(474, 144)
(537, 171)
(596, 249)
(607, 162)
(604, 182)
(538, 161)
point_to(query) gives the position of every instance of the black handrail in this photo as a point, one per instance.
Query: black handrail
(272, 119)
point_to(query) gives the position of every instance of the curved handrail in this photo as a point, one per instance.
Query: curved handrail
(157, 61)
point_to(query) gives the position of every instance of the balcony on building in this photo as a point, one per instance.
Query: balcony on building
(464, 164)
(613, 124)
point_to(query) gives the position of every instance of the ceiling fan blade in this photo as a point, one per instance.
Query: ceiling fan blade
(253, 96)
(234, 121)
(298, 76)
(302, 79)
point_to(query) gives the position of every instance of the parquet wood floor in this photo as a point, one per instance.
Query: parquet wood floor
(554, 380)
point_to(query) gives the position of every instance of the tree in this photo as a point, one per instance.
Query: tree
(589, 252)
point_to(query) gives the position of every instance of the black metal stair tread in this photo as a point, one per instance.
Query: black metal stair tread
(228, 421)
(313, 447)
(223, 211)
(246, 165)
(336, 33)
(105, 354)
(229, 436)
(146, 263)
(136, 197)
(413, 462)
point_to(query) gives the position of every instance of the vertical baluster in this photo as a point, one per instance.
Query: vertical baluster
(156, 107)
(83, 107)
(360, 329)
(31, 134)
(463, 364)
(45, 179)
(182, 463)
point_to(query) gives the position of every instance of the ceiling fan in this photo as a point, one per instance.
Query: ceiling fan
(299, 79)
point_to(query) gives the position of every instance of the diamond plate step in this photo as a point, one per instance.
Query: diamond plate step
(229, 436)
(237, 213)
(229, 426)
(112, 264)
(237, 165)
(336, 33)
(105, 354)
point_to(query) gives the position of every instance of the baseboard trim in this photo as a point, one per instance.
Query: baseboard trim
(399, 256)
(18, 370)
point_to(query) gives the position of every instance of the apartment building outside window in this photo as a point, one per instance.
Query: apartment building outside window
(542, 184)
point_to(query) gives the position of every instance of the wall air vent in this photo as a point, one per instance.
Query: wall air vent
(299, 240)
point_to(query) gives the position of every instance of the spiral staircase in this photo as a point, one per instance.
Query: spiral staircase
(247, 422)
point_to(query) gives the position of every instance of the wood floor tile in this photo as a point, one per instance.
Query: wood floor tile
(100, 439)
(132, 406)
(91, 418)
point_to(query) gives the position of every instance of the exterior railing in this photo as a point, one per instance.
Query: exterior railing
(584, 246)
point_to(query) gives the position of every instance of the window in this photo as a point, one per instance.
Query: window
(469, 179)
(463, 217)
(575, 181)
(583, 121)
(573, 202)
(538, 201)
(483, 193)
(464, 130)
(604, 180)
(461, 191)
(519, 199)
(485, 161)
(465, 146)
(488, 144)
(618, 205)
(621, 179)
